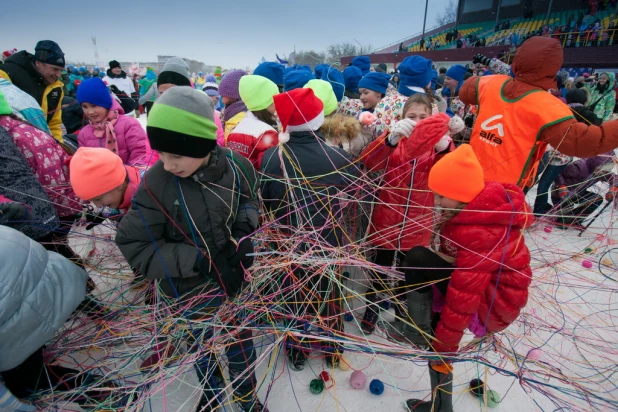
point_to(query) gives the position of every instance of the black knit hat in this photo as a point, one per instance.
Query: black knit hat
(48, 51)
(114, 64)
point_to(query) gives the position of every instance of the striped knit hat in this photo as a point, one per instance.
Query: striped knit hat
(182, 122)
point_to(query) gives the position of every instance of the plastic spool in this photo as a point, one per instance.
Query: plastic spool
(344, 363)
(358, 380)
(493, 398)
(376, 387)
(587, 264)
(535, 354)
(316, 386)
(548, 229)
(324, 376)
(348, 317)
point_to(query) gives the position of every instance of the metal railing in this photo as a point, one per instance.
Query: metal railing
(589, 38)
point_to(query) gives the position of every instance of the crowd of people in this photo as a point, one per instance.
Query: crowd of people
(435, 184)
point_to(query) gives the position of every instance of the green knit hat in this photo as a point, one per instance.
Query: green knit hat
(257, 92)
(324, 91)
(4, 106)
(182, 122)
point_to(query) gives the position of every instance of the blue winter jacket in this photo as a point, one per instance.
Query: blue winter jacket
(38, 292)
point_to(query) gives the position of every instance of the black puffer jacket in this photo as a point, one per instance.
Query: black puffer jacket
(219, 197)
(317, 177)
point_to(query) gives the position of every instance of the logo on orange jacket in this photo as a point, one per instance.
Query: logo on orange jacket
(487, 136)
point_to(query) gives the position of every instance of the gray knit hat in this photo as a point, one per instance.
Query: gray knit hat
(182, 122)
(175, 71)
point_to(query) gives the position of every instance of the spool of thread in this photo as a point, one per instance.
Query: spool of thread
(344, 363)
(345, 275)
(385, 304)
(493, 398)
(376, 387)
(324, 376)
(548, 229)
(535, 354)
(348, 317)
(587, 264)
(477, 387)
(588, 250)
(358, 380)
(316, 386)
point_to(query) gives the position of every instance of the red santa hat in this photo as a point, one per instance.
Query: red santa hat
(299, 110)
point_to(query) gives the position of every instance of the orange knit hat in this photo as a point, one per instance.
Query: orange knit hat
(95, 171)
(458, 175)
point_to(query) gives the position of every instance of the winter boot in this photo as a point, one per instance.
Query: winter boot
(441, 394)
(296, 358)
(419, 317)
(372, 313)
(211, 394)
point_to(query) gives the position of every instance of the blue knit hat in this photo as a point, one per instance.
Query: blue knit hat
(376, 81)
(457, 72)
(305, 67)
(272, 71)
(296, 79)
(363, 63)
(48, 51)
(95, 92)
(335, 78)
(319, 69)
(414, 71)
(434, 79)
(351, 77)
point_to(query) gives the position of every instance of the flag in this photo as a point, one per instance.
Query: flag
(284, 62)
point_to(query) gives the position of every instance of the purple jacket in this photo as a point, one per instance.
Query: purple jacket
(579, 174)
(133, 147)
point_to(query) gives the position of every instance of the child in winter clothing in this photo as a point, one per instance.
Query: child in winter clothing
(575, 202)
(372, 89)
(481, 244)
(255, 133)
(211, 88)
(296, 79)
(402, 217)
(234, 108)
(46, 159)
(312, 207)
(98, 176)
(209, 191)
(350, 103)
(108, 128)
(144, 86)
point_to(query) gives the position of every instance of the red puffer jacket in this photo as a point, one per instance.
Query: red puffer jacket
(403, 215)
(492, 272)
(251, 138)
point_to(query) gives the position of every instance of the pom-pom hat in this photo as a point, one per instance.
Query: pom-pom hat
(298, 110)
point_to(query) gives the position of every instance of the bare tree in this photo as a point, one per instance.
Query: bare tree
(449, 15)
(336, 51)
(309, 57)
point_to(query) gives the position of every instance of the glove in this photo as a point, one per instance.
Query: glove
(13, 212)
(479, 58)
(11, 404)
(563, 191)
(440, 102)
(237, 253)
(402, 128)
(229, 277)
(443, 144)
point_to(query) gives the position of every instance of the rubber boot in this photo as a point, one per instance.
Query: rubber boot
(441, 394)
(419, 312)
(372, 314)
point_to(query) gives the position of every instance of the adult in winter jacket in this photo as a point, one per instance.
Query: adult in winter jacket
(256, 132)
(24, 204)
(23, 105)
(603, 96)
(190, 224)
(38, 75)
(40, 291)
(46, 158)
(117, 77)
(514, 108)
(145, 86)
(482, 267)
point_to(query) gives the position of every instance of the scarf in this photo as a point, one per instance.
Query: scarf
(233, 109)
(105, 130)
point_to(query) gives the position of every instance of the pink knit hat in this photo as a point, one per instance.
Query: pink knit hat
(95, 171)
(229, 84)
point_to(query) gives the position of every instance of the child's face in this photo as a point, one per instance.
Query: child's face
(165, 86)
(369, 98)
(417, 112)
(450, 83)
(181, 166)
(111, 199)
(214, 99)
(451, 207)
(226, 100)
(94, 113)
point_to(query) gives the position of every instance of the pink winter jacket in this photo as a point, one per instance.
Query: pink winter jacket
(48, 162)
(131, 137)
(220, 134)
